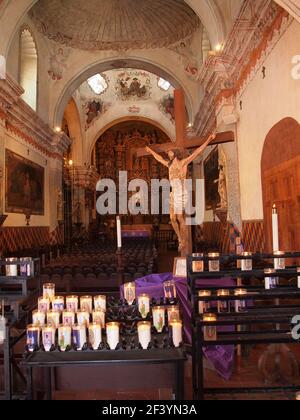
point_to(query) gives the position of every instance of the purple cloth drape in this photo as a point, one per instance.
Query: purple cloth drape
(222, 357)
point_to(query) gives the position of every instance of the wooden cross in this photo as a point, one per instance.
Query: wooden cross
(182, 140)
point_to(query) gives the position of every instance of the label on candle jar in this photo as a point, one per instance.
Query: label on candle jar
(214, 265)
(173, 314)
(64, 337)
(38, 318)
(223, 305)
(204, 306)
(246, 264)
(53, 318)
(83, 318)
(33, 338)
(26, 268)
(79, 336)
(170, 290)
(159, 319)
(86, 304)
(272, 281)
(48, 338)
(43, 304)
(129, 293)
(68, 318)
(99, 318)
(144, 305)
(49, 291)
(11, 269)
(198, 266)
(100, 303)
(58, 304)
(95, 335)
(240, 305)
(72, 304)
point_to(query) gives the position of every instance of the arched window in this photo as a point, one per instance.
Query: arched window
(28, 68)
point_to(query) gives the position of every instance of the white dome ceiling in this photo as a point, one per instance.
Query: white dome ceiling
(115, 24)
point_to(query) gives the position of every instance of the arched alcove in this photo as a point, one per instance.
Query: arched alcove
(280, 168)
(28, 68)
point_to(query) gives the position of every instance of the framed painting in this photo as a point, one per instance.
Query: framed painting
(211, 174)
(180, 268)
(24, 185)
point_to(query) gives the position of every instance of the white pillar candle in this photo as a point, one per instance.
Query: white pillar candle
(43, 304)
(144, 332)
(159, 318)
(176, 333)
(144, 305)
(72, 304)
(79, 336)
(204, 306)
(214, 262)
(240, 305)
(173, 314)
(86, 304)
(246, 263)
(275, 229)
(64, 337)
(26, 268)
(58, 303)
(198, 266)
(68, 318)
(113, 334)
(32, 337)
(223, 305)
(53, 318)
(38, 318)
(48, 337)
(11, 269)
(298, 279)
(119, 232)
(100, 302)
(83, 318)
(95, 335)
(49, 290)
(129, 293)
(99, 317)
(210, 331)
(271, 281)
(170, 289)
(279, 263)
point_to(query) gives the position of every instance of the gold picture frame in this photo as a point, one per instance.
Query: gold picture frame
(180, 268)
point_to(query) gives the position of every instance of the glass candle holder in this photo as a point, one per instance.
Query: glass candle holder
(223, 305)
(72, 303)
(198, 266)
(95, 335)
(173, 314)
(204, 306)
(58, 303)
(38, 318)
(2, 329)
(246, 264)
(129, 293)
(298, 278)
(240, 305)
(271, 280)
(83, 318)
(210, 331)
(43, 304)
(12, 268)
(68, 318)
(79, 336)
(99, 317)
(53, 318)
(176, 327)
(170, 290)
(32, 337)
(144, 333)
(214, 262)
(48, 337)
(64, 336)
(49, 290)
(26, 268)
(279, 263)
(100, 303)
(113, 334)
(159, 321)
(144, 305)
(86, 304)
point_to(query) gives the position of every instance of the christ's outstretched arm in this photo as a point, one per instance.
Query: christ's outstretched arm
(199, 151)
(158, 157)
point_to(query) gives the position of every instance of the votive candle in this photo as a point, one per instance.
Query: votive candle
(53, 318)
(64, 336)
(129, 293)
(43, 304)
(11, 269)
(176, 333)
(144, 305)
(26, 268)
(170, 289)
(113, 334)
(32, 337)
(214, 262)
(58, 303)
(173, 313)
(223, 305)
(246, 263)
(99, 317)
(159, 318)
(95, 335)
(198, 266)
(210, 331)
(48, 337)
(144, 332)
(72, 304)
(79, 336)
(68, 318)
(83, 318)
(298, 279)
(204, 306)
(271, 281)
(38, 318)
(279, 263)
(86, 304)
(100, 302)
(240, 305)
(49, 290)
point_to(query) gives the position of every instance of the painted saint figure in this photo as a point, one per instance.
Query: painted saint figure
(179, 197)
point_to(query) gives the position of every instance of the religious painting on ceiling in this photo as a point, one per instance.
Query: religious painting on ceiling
(133, 85)
(167, 106)
(211, 174)
(24, 185)
(93, 110)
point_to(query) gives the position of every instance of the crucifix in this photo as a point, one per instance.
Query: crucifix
(178, 168)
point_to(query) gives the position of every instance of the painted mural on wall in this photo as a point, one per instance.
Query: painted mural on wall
(211, 174)
(57, 61)
(24, 185)
(134, 85)
(167, 107)
(188, 58)
(93, 110)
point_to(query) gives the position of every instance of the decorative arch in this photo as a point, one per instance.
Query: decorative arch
(280, 169)
(28, 76)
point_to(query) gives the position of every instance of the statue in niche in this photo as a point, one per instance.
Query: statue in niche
(178, 169)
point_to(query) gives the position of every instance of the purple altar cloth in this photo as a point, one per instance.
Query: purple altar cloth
(222, 357)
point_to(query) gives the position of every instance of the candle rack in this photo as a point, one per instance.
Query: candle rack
(246, 326)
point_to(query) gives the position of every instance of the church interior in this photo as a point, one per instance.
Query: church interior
(103, 98)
